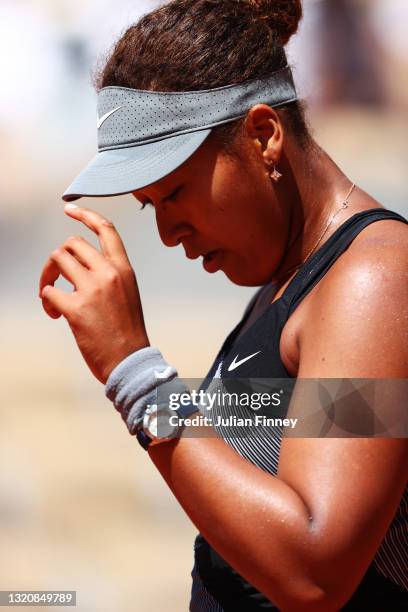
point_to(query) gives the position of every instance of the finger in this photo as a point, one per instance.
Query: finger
(111, 243)
(49, 309)
(85, 253)
(49, 275)
(63, 263)
(56, 302)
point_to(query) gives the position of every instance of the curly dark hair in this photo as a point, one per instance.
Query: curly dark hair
(190, 45)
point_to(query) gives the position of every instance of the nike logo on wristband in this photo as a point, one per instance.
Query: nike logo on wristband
(164, 374)
(235, 364)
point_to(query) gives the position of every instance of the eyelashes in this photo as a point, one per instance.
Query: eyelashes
(172, 197)
(144, 204)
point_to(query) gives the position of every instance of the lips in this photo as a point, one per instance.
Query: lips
(212, 261)
(190, 254)
(209, 256)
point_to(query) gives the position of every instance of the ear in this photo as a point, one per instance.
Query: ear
(264, 126)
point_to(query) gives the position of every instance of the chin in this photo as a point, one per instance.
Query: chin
(250, 278)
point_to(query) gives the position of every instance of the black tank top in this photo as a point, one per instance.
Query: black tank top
(385, 584)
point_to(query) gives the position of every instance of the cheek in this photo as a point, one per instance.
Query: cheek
(232, 192)
(237, 209)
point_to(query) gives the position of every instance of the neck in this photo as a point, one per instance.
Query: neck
(313, 192)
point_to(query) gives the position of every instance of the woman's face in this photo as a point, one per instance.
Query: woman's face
(223, 209)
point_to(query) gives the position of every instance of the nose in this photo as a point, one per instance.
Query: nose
(171, 230)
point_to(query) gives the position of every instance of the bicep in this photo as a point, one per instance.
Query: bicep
(352, 484)
(352, 488)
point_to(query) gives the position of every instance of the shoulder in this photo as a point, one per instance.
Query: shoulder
(385, 235)
(374, 262)
(358, 315)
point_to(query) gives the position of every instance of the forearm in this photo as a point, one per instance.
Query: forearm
(256, 522)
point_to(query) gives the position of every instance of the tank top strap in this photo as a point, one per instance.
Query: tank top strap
(317, 266)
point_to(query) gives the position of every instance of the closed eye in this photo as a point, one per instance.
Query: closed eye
(172, 197)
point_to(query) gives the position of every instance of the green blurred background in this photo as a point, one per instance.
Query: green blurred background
(81, 507)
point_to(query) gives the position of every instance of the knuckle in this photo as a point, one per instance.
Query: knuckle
(112, 276)
(107, 223)
(56, 253)
(95, 293)
(69, 243)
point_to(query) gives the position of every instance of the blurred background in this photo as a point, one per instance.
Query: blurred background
(81, 507)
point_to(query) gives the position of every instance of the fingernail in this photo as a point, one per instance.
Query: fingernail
(70, 206)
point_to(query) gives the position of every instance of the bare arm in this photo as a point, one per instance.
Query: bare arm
(321, 520)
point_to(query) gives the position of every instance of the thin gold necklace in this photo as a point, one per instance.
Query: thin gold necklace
(344, 205)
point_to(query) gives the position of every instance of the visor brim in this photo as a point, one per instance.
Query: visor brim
(119, 171)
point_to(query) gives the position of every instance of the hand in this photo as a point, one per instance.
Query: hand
(104, 310)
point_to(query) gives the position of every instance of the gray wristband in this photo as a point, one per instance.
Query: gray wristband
(132, 385)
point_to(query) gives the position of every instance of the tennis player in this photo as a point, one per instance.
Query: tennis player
(198, 117)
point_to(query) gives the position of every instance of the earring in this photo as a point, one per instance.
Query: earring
(275, 175)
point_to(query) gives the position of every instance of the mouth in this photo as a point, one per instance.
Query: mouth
(190, 254)
(212, 261)
(209, 256)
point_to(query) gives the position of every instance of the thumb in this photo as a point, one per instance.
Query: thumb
(53, 301)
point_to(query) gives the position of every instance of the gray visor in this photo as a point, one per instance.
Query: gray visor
(144, 135)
